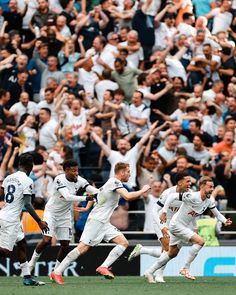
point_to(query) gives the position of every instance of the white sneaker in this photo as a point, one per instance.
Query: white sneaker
(159, 279)
(135, 252)
(149, 277)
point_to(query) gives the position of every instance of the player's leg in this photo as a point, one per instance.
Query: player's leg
(64, 235)
(156, 252)
(7, 240)
(198, 243)
(165, 240)
(121, 245)
(22, 258)
(91, 236)
(46, 240)
(63, 251)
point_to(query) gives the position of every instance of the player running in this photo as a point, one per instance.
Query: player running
(183, 181)
(58, 210)
(17, 192)
(98, 226)
(194, 204)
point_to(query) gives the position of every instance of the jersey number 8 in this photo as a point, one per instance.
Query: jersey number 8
(9, 197)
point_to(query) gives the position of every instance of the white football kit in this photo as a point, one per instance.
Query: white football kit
(192, 206)
(15, 187)
(58, 210)
(98, 227)
(157, 210)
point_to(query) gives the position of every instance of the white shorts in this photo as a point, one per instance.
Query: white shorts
(156, 221)
(10, 233)
(96, 231)
(180, 234)
(61, 228)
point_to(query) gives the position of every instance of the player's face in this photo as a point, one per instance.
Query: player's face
(185, 184)
(125, 174)
(208, 189)
(72, 173)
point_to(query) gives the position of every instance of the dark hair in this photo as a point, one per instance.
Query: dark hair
(119, 60)
(26, 160)
(187, 15)
(23, 118)
(3, 92)
(46, 110)
(226, 51)
(197, 122)
(141, 78)
(48, 89)
(199, 135)
(140, 92)
(119, 91)
(69, 163)
(111, 92)
(180, 176)
(106, 74)
(229, 119)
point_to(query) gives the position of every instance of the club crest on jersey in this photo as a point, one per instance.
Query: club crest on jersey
(59, 182)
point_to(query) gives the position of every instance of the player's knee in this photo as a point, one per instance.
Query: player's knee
(5, 252)
(125, 244)
(65, 244)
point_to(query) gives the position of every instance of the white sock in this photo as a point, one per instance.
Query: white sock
(57, 264)
(160, 271)
(161, 262)
(71, 256)
(113, 255)
(156, 252)
(34, 258)
(25, 269)
(193, 252)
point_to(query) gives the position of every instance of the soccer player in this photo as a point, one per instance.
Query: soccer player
(98, 227)
(17, 192)
(183, 181)
(58, 210)
(194, 204)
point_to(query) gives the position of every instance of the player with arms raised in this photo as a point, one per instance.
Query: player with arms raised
(17, 191)
(98, 226)
(58, 212)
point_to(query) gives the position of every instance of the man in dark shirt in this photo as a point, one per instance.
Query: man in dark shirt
(228, 66)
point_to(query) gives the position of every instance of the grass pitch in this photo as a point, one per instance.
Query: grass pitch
(121, 286)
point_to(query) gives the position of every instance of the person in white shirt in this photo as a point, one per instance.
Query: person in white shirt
(47, 135)
(48, 102)
(125, 153)
(17, 192)
(87, 77)
(58, 210)
(135, 57)
(98, 226)
(186, 28)
(194, 204)
(222, 17)
(161, 229)
(138, 115)
(23, 106)
(76, 117)
(105, 84)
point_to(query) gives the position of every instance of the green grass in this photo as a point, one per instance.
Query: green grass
(122, 286)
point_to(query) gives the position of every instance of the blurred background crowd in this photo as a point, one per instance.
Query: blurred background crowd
(149, 82)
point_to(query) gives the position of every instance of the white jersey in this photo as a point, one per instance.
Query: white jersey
(107, 200)
(15, 187)
(192, 206)
(57, 203)
(174, 205)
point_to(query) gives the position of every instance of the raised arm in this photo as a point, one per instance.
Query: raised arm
(101, 143)
(147, 135)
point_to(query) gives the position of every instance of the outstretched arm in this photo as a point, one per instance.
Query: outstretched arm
(129, 196)
(221, 217)
(100, 142)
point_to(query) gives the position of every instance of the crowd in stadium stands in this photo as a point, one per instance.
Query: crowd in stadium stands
(149, 82)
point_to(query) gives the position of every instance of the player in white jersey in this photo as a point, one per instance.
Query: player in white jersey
(98, 226)
(183, 181)
(194, 204)
(17, 192)
(58, 210)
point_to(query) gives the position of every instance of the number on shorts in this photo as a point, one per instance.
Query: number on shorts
(9, 198)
